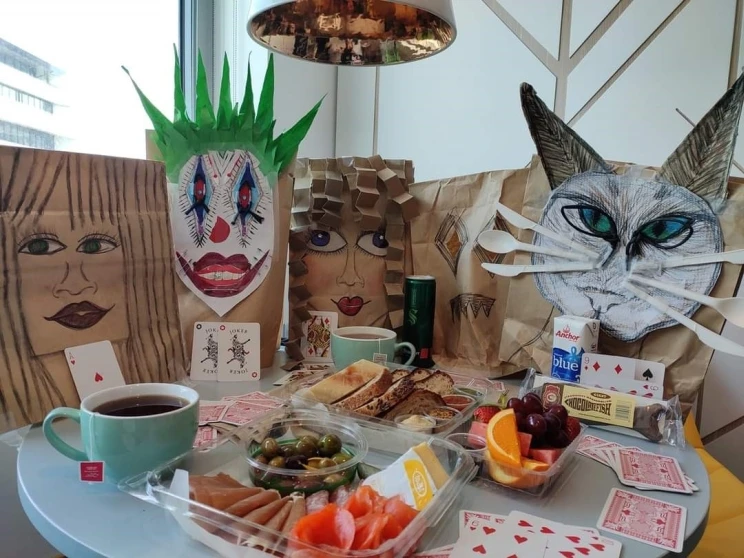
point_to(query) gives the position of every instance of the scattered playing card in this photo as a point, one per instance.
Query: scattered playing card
(594, 365)
(583, 547)
(242, 412)
(91, 471)
(256, 397)
(650, 371)
(239, 357)
(644, 519)
(467, 515)
(204, 351)
(524, 522)
(94, 367)
(649, 470)
(204, 435)
(316, 336)
(211, 411)
(624, 385)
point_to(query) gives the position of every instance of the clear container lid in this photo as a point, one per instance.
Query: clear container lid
(168, 485)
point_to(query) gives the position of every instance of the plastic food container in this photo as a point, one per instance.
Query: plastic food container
(537, 483)
(444, 416)
(458, 401)
(168, 487)
(423, 423)
(287, 432)
(480, 389)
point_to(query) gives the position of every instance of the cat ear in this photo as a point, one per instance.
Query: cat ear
(562, 151)
(702, 161)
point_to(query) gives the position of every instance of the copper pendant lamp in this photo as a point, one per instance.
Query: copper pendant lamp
(353, 32)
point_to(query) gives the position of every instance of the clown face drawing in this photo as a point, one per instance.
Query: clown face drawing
(222, 215)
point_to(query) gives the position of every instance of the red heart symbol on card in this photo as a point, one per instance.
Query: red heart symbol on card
(98, 377)
(523, 523)
(472, 527)
(512, 556)
(567, 553)
(72, 361)
(582, 550)
(520, 539)
(547, 530)
(574, 539)
(599, 547)
(489, 530)
(480, 549)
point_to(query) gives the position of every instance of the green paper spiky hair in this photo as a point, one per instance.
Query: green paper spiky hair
(232, 128)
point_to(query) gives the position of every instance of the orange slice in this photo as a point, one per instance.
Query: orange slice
(516, 477)
(502, 438)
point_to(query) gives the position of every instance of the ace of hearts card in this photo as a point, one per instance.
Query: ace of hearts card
(239, 352)
(316, 336)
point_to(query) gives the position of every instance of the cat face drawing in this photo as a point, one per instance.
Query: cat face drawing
(632, 221)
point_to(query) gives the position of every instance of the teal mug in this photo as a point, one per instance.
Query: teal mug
(350, 344)
(129, 443)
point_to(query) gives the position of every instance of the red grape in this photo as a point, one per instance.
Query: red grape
(561, 439)
(536, 425)
(516, 404)
(559, 411)
(530, 405)
(553, 423)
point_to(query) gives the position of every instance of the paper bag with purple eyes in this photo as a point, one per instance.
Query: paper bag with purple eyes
(347, 243)
(85, 257)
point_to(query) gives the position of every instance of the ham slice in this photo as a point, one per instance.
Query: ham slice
(298, 511)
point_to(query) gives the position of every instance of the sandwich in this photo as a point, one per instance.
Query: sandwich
(344, 383)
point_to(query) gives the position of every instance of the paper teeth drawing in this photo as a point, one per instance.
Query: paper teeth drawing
(631, 219)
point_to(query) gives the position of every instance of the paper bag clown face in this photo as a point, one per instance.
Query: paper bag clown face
(223, 226)
(635, 226)
(223, 169)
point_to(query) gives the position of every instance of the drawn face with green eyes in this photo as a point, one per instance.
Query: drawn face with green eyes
(627, 220)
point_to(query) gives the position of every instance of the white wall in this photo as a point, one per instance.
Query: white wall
(458, 112)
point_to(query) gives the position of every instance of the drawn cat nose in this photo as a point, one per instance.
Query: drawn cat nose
(220, 231)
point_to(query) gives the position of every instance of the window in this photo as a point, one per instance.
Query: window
(61, 82)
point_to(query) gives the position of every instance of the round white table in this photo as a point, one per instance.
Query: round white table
(89, 520)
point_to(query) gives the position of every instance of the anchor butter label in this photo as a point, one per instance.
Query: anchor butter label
(573, 336)
(616, 408)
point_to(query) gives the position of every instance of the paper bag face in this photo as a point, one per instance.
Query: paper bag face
(471, 303)
(85, 244)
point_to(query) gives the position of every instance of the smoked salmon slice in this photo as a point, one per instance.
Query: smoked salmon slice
(331, 525)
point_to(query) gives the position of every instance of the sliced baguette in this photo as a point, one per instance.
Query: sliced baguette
(344, 383)
(419, 402)
(439, 382)
(419, 374)
(394, 395)
(374, 388)
(400, 374)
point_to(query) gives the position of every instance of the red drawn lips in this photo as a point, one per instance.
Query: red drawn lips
(79, 315)
(350, 306)
(219, 276)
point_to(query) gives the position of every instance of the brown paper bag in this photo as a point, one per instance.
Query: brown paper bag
(471, 303)
(86, 256)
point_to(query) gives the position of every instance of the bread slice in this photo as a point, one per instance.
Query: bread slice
(419, 374)
(345, 382)
(400, 374)
(439, 382)
(374, 388)
(394, 395)
(420, 402)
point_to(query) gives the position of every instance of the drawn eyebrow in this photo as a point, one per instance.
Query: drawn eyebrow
(578, 197)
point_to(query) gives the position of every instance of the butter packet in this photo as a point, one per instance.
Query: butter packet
(415, 476)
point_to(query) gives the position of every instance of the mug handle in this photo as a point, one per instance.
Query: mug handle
(411, 349)
(63, 447)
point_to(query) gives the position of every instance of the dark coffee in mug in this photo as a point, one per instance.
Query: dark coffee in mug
(365, 336)
(143, 406)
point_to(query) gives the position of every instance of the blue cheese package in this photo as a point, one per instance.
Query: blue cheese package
(572, 337)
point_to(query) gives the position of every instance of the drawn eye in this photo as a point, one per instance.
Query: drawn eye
(97, 244)
(245, 198)
(590, 220)
(41, 246)
(661, 231)
(325, 242)
(374, 243)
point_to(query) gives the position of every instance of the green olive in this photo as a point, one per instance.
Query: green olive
(262, 459)
(270, 448)
(288, 450)
(310, 439)
(329, 445)
(326, 462)
(308, 449)
(277, 462)
(335, 478)
(340, 458)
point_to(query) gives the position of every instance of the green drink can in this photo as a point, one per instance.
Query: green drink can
(418, 325)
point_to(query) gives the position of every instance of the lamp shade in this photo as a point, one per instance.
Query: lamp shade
(353, 32)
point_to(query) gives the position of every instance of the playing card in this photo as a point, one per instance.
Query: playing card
(498, 542)
(239, 352)
(211, 411)
(316, 336)
(257, 397)
(644, 519)
(593, 365)
(204, 435)
(650, 371)
(302, 374)
(651, 470)
(552, 529)
(589, 547)
(94, 367)
(589, 441)
(441, 552)
(624, 385)
(467, 515)
(242, 412)
(204, 351)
